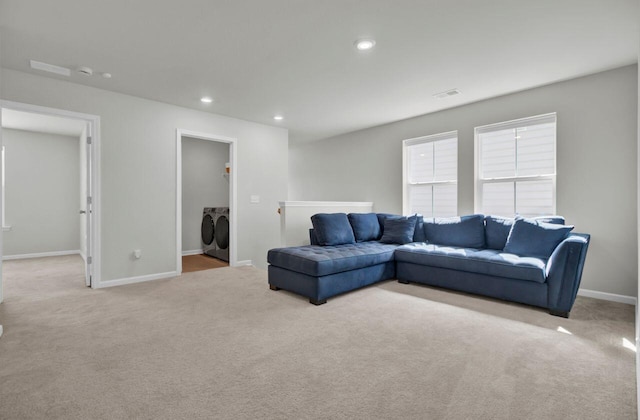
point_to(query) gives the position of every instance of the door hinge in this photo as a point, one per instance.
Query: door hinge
(89, 140)
(89, 200)
(89, 260)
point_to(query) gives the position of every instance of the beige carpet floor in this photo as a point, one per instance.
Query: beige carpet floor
(220, 344)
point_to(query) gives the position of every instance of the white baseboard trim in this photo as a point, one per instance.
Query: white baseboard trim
(630, 300)
(193, 252)
(1, 330)
(40, 255)
(243, 263)
(138, 279)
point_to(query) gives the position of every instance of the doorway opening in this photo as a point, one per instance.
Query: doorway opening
(205, 201)
(49, 198)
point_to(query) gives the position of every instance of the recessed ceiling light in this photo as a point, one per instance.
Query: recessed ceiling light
(278, 117)
(364, 44)
(206, 100)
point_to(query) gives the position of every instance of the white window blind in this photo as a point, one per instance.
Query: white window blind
(517, 167)
(431, 175)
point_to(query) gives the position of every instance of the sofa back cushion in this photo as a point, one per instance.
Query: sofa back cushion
(418, 235)
(365, 226)
(332, 229)
(554, 220)
(399, 230)
(533, 238)
(497, 229)
(464, 231)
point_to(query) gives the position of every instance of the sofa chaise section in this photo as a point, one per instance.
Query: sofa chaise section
(319, 272)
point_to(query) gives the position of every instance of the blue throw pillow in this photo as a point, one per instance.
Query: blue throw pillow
(332, 229)
(365, 226)
(497, 229)
(382, 217)
(399, 230)
(532, 238)
(418, 234)
(464, 232)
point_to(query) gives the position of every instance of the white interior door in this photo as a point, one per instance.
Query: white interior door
(88, 212)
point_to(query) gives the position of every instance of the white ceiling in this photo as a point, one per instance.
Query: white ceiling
(259, 58)
(19, 120)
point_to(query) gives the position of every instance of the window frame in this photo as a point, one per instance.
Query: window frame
(405, 166)
(513, 124)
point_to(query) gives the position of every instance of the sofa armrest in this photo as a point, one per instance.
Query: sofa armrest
(564, 272)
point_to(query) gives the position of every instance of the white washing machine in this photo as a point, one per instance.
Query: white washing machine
(215, 232)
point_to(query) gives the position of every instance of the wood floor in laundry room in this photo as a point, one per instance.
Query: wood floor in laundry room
(191, 263)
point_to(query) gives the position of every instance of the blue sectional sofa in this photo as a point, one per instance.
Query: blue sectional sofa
(537, 262)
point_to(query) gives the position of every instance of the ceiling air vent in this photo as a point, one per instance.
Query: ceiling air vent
(447, 93)
(39, 65)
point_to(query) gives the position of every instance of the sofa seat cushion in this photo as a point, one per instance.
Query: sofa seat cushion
(315, 260)
(483, 261)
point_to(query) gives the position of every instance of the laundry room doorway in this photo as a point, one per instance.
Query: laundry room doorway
(205, 201)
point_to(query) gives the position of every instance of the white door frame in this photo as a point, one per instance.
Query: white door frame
(93, 167)
(233, 158)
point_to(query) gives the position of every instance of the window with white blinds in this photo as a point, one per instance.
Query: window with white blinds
(516, 167)
(431, 175)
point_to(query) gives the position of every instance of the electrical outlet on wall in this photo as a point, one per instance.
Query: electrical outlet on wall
(137, 254)
(255, 198)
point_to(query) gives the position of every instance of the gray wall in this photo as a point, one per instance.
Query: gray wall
(138, 170)
(203, 185)
(42, 192)
(597, 164)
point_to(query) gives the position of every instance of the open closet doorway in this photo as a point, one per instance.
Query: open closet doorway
(205, 201)
(49, 205)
